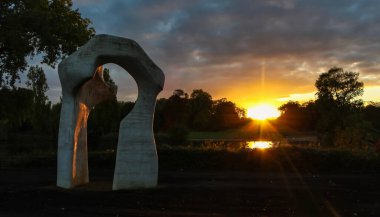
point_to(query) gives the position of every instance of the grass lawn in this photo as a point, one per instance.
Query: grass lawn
(255, 130)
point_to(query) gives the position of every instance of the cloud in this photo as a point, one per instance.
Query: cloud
(221, 45)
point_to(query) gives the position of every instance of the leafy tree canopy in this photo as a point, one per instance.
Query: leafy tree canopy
(290, 107)
(29, 27)
(37, 81)
(339, 109)
(201, 105)
(339, 87)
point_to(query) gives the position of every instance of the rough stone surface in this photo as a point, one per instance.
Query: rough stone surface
(136, 160)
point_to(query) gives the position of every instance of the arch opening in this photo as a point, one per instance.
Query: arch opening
(104, 118)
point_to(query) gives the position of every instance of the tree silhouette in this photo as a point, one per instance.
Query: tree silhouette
(41, 107)
(339, 88)
(30, 27)
(298, 117)
(176, 112)
(226, 115)
(200, 109)
(16, 108)
(340, 122)
(37, 82)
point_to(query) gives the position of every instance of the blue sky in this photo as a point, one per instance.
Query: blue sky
(249, 51)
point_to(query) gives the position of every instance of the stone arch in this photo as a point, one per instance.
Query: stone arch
(136, 160)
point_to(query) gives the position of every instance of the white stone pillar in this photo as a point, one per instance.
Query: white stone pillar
(136, 160)
(136, 164)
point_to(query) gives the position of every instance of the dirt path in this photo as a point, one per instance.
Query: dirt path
(32, 192)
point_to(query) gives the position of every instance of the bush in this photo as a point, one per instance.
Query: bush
(178, 134)
(3, 129)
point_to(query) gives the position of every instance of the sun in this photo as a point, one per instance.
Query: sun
(263, 112)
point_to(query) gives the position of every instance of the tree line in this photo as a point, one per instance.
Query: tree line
(27, 110)
(49, 29)
(338, 116)
(182, 112)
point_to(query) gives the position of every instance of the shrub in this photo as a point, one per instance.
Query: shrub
(178, 134)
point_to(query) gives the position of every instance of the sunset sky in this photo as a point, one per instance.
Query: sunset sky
(247, 51)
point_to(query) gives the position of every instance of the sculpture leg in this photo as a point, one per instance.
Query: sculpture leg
(136, 160)
(80, 156)
(72, 142)
(72, 166)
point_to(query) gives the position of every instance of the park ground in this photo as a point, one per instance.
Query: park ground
(204, 182)
(32, 192)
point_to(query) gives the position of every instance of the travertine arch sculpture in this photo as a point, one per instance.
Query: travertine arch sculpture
(136, 160)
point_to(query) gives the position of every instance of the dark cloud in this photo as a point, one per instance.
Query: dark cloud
(218, 45)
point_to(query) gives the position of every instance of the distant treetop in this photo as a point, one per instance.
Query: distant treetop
(29, 27)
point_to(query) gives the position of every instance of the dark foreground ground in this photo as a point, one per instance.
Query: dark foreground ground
(32, 192)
